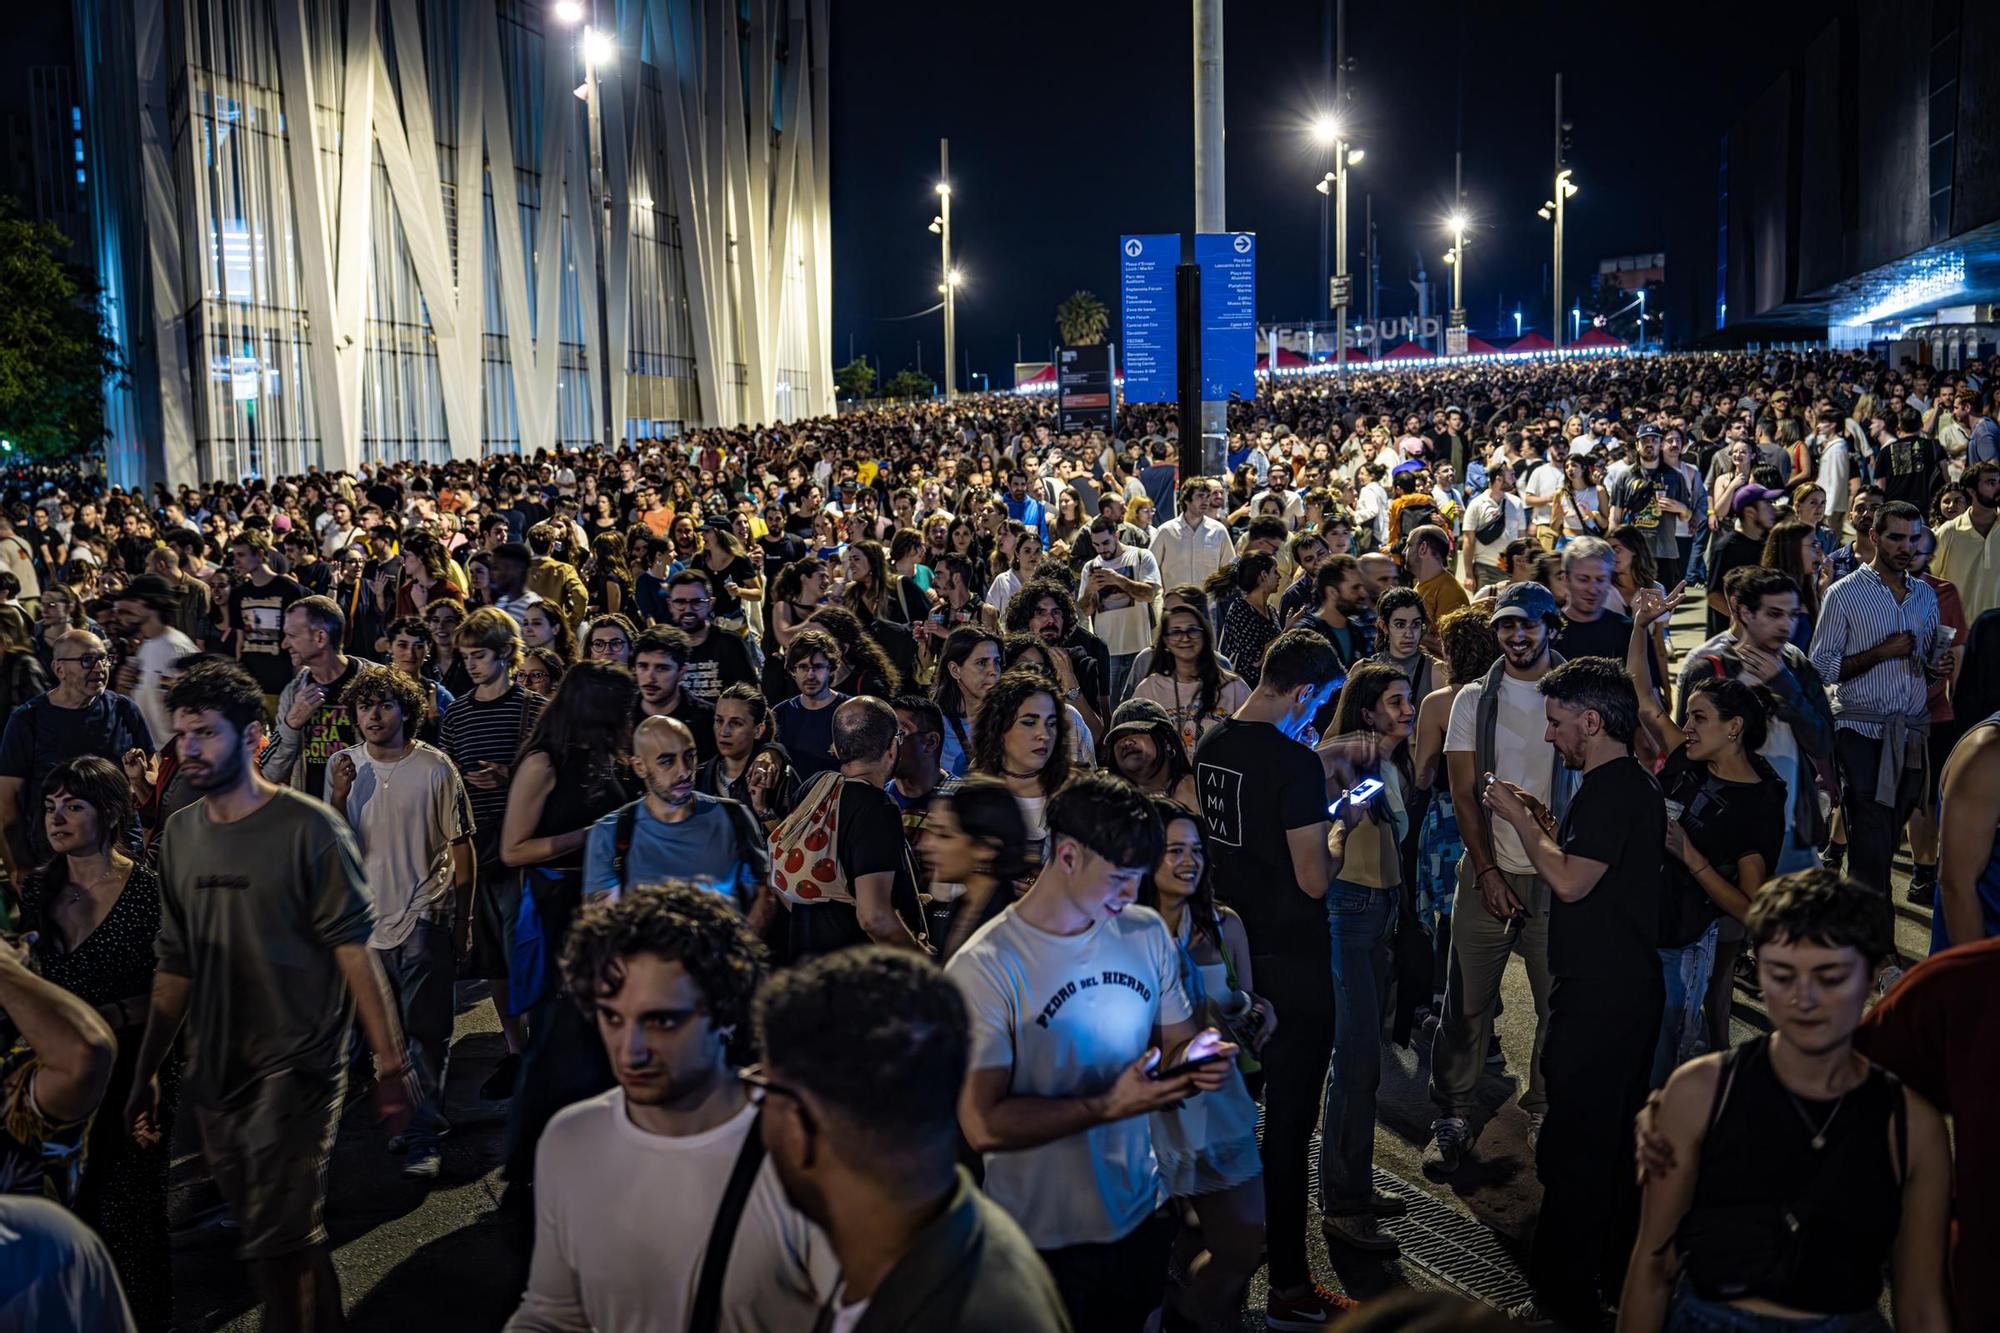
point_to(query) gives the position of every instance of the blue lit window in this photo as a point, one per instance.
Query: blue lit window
(79, 175)
(76, 118)
(79, 149)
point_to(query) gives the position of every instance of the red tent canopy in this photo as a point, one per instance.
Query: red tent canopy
(1531, 342)
(1599, 338)
(1046, 375)
(1478, 346)
(1409, 352)
(1287, 359)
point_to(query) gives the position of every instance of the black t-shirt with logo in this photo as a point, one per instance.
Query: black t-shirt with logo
(1618, 817)
(1255, 785)
(258, 615)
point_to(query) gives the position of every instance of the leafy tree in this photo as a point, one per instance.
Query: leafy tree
(908, 383)
(856, 379)
(1082, 319)
(55, 351)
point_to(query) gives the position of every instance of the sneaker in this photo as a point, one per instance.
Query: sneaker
(1313, 1308)
(423, 1164)
(1535, 1119)
(1495, 1057)
(1746, 974)
(1832, 855)
(1360, 1231)
(499, 1084)
(1529, 1314)
(1923, 889)
(400, 1143)
(1447, 1146)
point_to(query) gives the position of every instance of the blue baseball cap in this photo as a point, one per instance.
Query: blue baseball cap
(1529, 601)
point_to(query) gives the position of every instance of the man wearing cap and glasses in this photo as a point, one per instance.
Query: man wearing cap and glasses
(1653, 498)
(1741, 544)
(1497, 727)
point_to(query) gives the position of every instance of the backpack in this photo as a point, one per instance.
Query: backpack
(749, 837)
(805, 867)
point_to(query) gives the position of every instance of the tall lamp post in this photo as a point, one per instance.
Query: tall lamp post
(598, 50)
(1552, 211)
(1455, 337)
(947, 276)
(1327, 131)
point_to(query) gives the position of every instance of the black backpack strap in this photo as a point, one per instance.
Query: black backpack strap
(621, 840)
(706, 1316)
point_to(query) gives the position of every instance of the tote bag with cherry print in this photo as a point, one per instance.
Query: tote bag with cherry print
(805, 866)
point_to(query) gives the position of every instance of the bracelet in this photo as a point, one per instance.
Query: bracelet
(1703, 869)
(1490, 870)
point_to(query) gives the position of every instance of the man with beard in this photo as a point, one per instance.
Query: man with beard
(1967, 553)
(1877, 646)
(1119, 586)
(1603, 869)
(313, 721)
(1860, 551)
(803, 724)
(263, 946)
(675, 832)
(1342, 594)
(1308, 551)
(1146, 751)
(1076, 1008)
(1045, 609)
(864, 1055)
(659, 660)
(648, 1193)
(1496, 726)
(1653, 497)
(715, 659)
(406, 806)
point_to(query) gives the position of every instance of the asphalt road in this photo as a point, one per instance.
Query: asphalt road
(442, 1256)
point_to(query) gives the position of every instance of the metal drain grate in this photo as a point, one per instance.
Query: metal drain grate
(1453, 1247)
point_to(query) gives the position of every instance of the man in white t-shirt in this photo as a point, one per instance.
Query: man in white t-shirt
(1540, 488)
(1492, 511)
(628, 1184)
(1076, 1005)
(1497, 726)
(409, 812)
(1117, 593)
(141, 609)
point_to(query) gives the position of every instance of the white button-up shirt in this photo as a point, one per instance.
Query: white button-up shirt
(1189, 554)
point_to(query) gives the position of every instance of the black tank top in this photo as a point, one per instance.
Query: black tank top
(1759, 1150)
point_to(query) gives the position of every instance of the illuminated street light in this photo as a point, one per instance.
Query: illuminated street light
(1326, 130)
(1326, 186)
(598, 48)
(568, 11)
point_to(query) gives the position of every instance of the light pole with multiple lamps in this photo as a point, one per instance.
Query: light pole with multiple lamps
(1327, 132)
(947, 275)
(598, 50)
(1552, 211)
(1455, 336)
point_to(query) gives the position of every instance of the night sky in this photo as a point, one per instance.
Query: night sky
(1071, 123)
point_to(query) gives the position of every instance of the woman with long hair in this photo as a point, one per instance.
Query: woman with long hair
(61, 610)
(1635, 571)
(1809, 508)
(542, 626)
(1727, 815)
(541, 671)
(968, 669)
(1579, 504)
(1470, 649)
(1787, 1175)
(1207, 1146)
(1025, 560)
(1021, 649)
(1021, 736)
(910, 580)
(795, 594)
(865, 668)
(442, 618)
(1375, 706)
(731, 573)
(1069, 521)
(607, 576)
(93, 912)
(974, 838)
(1792, 548)
(568, 777)
(410, 648)
(1249, 624)
(827, 543)
(867, 587)
(428, 575)
(1184, 677)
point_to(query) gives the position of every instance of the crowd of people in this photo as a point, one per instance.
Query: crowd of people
(932, 869)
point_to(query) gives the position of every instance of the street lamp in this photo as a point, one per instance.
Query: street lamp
(1642, 319)
(568, 12)
(948, 277)
(1327, 130)
(1455, 338)
(1552, 211)
(599, 51)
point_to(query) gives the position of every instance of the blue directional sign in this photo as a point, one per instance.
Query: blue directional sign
(1146, 291)
(1228, 262)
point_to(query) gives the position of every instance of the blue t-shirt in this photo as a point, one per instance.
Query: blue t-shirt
(1028, 511)
(807, 734)
(703, 848)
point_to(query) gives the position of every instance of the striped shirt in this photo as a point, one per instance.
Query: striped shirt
(1859, 612)
(475, 731)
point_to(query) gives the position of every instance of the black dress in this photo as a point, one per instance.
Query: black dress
(124, 1194)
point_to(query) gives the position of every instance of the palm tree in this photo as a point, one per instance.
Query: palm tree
(1082, 320)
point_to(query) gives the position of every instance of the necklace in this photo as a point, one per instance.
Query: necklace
(1818, 1131)
(79, 892)
(386, 772)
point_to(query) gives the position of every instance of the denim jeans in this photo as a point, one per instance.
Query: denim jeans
(1690, 1313)
(1358, 920)
(421, 973)
(1121, 667)
(1682, 1033)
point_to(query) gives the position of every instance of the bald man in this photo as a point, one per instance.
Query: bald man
(675, 832)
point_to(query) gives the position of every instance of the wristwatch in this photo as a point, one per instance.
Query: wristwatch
(1072, 693)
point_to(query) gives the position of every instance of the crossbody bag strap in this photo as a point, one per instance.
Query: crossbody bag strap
(706, 1317)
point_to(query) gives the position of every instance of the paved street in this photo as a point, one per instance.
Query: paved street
(440, 1257)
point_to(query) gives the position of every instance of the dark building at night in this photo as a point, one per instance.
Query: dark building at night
(1857, 199)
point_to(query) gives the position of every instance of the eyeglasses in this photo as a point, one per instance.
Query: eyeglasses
(687, 603)
(534, 679)
(87, 661)
(617, 645)
(1184, 632)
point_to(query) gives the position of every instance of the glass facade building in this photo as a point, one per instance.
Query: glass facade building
(336, 232)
